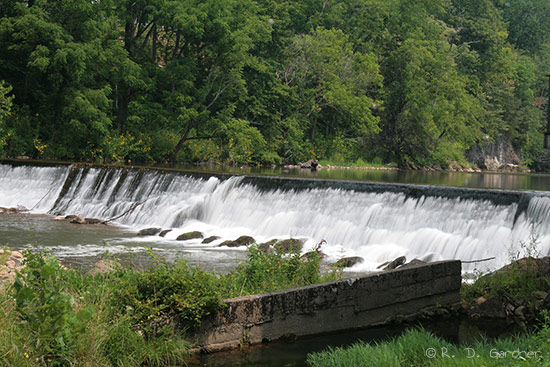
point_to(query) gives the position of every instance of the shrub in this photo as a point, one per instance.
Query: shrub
(272, 271)
(46, 311)
(154, 297)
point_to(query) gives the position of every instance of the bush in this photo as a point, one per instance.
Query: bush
(273, 271)
(155, 297)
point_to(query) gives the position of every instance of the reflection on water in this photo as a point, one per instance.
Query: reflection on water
(497, 180)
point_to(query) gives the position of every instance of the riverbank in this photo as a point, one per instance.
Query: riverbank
(52, 315)
(306, 166)
(118, 316)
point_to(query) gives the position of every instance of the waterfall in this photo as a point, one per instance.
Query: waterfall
(378, 225)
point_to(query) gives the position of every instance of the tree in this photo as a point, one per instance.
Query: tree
(212, 46)
(5, 101)
(336, 86)
(55, 55)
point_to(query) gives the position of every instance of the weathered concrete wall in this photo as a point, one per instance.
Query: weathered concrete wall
(335, 306)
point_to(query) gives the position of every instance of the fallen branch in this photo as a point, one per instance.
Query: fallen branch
(46, 194)
(477, 261)
(133, 207)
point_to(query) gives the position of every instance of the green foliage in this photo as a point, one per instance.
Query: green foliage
(273, 271)
(47, 312)
(152, 297)
(256, 82)
(422, 348)
(5, 108)
(517, 280)
(54, 316)
(334, 83)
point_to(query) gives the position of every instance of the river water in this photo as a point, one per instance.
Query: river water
(375, 220)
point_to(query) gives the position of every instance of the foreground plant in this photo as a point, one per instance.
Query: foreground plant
(55, 316)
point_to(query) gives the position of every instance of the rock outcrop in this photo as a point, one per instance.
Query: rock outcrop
(495, 155)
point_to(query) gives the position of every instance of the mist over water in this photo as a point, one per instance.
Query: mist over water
(377, 225)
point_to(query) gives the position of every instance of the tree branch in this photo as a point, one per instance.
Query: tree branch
(133, 207)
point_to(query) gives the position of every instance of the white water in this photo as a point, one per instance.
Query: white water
(375, 226)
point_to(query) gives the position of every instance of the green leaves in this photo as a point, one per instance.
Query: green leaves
(418, 82)
(46, 310)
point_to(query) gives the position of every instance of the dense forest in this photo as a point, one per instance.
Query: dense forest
(271, 81)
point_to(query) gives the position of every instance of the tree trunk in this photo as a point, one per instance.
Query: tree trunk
(154, 47)
(313, 127)
(180, 142)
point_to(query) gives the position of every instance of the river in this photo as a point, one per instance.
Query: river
(372, 219)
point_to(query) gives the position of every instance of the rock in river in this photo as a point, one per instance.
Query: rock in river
(163, 233)
(149, 231)
(348, 262)
(210, 239)
(189, 236)
(245, 240)
(291, 243)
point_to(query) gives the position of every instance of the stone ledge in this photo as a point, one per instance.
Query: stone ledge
(345, 304)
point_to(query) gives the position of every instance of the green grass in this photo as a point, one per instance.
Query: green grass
(55, 316)
(421, 348)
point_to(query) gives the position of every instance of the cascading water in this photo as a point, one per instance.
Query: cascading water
(377, 226)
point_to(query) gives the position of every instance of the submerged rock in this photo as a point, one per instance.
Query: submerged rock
(210, 239)
(149, 231)
(241, 241)
(190, 236)
(348, 262)
(93, 221)
(16, 210)
(164, 232)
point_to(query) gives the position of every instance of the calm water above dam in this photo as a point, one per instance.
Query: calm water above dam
(489, 180)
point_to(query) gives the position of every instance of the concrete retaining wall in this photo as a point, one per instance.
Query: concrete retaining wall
(335, 306)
